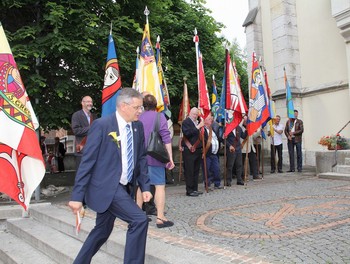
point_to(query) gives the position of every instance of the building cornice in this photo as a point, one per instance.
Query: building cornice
(311, 91)
(341, 14)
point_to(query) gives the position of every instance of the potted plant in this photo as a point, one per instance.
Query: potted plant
(334, 142)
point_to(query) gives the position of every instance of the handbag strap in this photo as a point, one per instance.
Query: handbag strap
(156, 123)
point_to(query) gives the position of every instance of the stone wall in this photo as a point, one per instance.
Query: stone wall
(326, 158)
(69, 162)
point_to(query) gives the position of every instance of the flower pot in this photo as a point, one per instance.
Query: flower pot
(333, 148)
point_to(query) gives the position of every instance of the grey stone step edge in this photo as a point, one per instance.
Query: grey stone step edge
(14, 250)
(55, 244)
(334, 176)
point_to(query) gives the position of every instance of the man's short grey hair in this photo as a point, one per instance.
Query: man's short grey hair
(126, 95)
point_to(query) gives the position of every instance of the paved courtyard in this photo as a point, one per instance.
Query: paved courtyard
(284, 218)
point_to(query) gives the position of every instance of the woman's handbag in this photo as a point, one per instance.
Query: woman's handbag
(156, 148)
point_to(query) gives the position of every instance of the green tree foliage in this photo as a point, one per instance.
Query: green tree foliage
(60, 48)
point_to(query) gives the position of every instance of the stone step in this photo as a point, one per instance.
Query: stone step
(63, 220)
(51, 229)
(347, 161)
(14, 250)
(334, 176)
(57, 245)
(344, 169)
(10, 211)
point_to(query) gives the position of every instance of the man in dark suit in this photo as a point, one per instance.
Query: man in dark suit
(234, 155)
(192, 151)
(102, 179)
(59, 152)
(211, 149)
(81, 121)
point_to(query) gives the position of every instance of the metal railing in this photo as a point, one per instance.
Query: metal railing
(336, 149)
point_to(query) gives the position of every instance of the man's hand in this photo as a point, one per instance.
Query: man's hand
(75, 206)
(146, 196)
(201, 124)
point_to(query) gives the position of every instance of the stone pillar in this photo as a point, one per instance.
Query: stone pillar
(285, 43)
(341, 14)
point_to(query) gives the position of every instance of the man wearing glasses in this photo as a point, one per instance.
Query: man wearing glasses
(114, 159)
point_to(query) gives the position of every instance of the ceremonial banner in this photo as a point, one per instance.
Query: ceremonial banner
(272, 108)
(215, 101)
(112, 81)
(148, 73)
(222, 106)
(203, 96)
(185, 105)
(21, 163)
(235, 104)
(162, 81)
(289, 99)
(258, 101)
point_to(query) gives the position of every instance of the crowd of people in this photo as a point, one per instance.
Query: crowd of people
(115, 179)
(238, 147)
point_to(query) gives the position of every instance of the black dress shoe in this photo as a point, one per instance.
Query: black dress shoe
(299, 171)
(280, 171)
(291, 171)
(240, 183)
(273, 171)
(192, 194)
(198, 192)
(228, 184)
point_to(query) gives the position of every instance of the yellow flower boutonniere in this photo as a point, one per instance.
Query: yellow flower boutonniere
(115, 138)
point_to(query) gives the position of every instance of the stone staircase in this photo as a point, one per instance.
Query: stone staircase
(47, 235)
(340, 171)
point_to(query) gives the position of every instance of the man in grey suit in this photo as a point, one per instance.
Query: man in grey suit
(81, 121)
(102, 179)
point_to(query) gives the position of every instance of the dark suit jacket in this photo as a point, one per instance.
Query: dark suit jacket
(298, 130)
(80, 125)
(190, 131)
(235, 141)
(100, 169)
(59, 150)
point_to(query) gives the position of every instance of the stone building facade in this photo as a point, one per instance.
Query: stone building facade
(310, 39)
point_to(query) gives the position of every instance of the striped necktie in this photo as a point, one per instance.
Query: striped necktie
(129, 151)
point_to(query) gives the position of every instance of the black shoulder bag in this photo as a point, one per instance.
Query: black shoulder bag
(156, 148)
